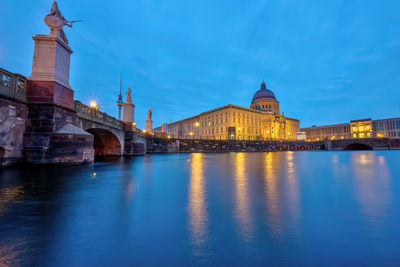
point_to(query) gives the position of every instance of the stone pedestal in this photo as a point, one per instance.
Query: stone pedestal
(149, 126)
(50, 102)
(129, 112)
(49, 81)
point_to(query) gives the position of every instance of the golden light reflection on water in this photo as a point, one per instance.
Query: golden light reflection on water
(372, 185)
(197, 200)
(280, 168)
(293, 186)
(272, 193)
(11, 250)
(242, 213)
(9, 195)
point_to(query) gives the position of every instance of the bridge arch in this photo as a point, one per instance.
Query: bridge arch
(357, 146)
(105, 143)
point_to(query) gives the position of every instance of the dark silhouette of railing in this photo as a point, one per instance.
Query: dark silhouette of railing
(93, 114)
(13, 85)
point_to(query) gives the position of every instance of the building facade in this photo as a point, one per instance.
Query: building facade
(262, 121)
(365, 128)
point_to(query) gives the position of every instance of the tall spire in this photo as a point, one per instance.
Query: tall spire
(120, 85)
(120, 102)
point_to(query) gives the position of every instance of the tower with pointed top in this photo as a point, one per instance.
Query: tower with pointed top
(120, 102)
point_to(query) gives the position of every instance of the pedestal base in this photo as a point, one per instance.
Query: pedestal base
(50, 92)
(149, 126)
(42, 148)
(42, 142)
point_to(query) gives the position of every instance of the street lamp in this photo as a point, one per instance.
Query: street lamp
(93, 104)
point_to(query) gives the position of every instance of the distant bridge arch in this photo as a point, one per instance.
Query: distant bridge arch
(357, 146)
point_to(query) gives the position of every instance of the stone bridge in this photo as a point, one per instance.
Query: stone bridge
(343, 144)
(40, 132)
(108, 132)
(363, 144)
(111, 136)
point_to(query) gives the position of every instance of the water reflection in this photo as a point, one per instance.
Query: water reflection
(197, 200)
(10, 249)
(293, 189)
(242, 213)
(282, 192)
(9, 195)
(237, 209)
(372, 185)
(272, 193)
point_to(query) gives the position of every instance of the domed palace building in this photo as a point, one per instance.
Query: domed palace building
(262, 121)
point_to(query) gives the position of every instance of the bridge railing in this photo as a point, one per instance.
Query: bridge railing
(92, 114)
(13, 85)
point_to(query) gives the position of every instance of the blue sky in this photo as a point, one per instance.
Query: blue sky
(326, 61)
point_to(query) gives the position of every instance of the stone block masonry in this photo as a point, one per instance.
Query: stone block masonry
(159, 145)
(135, 144)
(12, 127)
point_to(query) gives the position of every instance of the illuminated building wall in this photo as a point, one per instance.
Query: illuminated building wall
(389, 128)
(262, 121)
(365, 128)
(318, 133)
(361, 128)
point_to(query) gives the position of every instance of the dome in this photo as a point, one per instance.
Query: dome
(263, 94)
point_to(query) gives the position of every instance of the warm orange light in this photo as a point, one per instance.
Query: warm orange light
(191, 133)
(93, 104)
(169, 136)
(144, 131)
(196, 124)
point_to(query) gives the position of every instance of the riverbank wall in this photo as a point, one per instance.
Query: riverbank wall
(159, 145)
(170, 145)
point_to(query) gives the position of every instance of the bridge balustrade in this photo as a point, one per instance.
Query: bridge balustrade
(92, 114)
(13, 85)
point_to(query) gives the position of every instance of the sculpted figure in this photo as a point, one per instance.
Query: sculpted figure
(55, 20)
(128, 95)
(56, 12)
(150, 114)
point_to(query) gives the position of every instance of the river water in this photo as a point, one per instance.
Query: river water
(277, 208)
